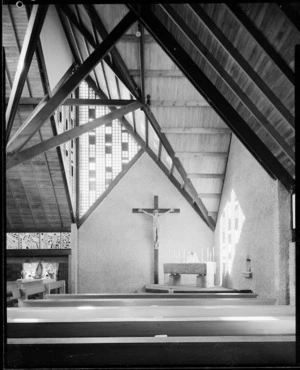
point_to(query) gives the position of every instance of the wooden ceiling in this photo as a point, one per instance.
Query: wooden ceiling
(201, 72)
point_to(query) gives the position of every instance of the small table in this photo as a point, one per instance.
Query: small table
(204, 271)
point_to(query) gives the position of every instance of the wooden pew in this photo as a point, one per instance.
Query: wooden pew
(53, 285)
(149, 321)
(162, 352)
(12, 293)
(150, 295)
(147, 302)
(133, 336)
(27, 288)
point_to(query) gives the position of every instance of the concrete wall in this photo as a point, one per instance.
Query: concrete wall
(259, 209)
(115, 251)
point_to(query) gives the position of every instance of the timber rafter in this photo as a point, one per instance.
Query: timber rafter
(47, 92)
(262, 41)
(116, 57)
(206, 88)
(32, 34)
(43, 112)
(240, 94)
(118, 67)
(244, 65)
(66, 136)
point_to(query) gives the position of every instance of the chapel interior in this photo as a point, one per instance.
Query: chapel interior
(149, 216)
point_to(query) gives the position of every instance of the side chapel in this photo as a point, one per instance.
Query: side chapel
(150, 183)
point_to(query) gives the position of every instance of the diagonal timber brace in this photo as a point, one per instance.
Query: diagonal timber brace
(43, 112)
(69, 135)
(31, 39)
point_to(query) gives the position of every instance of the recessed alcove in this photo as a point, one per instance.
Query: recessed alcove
(15, 258)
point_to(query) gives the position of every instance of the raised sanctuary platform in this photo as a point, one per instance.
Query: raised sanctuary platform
(160, 288)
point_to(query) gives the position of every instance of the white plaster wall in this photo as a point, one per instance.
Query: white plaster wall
(58, 57)
(264, 236)
(115, 245)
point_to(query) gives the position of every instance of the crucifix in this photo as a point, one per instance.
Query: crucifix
(155, 213)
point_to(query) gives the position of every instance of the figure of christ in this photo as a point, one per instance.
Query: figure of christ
(155, 216)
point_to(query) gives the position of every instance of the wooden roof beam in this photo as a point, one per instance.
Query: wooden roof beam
(88, 37)
(142, 76)
(240, 94)
(261, 40)
(142, 62)
(207, 89)
(196, 130)
(243, 64)
(55, 141)
(98, 24)
(206, 176)
(290, 13)
(47, 93)
(42, 112)
(209, 195)
(201, 154)
(116, 102)
(157, 72)
(178, 166)
(97, 102)
(29, 45)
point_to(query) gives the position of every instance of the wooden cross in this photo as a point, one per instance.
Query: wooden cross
(155, 213)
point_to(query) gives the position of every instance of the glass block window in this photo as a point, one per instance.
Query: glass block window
(65, 118)
(103, 152)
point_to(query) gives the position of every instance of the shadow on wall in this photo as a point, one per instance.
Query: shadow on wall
(232, 221)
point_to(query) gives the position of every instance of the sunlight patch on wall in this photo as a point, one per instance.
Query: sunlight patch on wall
(231, 224)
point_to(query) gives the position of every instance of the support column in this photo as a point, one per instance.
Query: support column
(174, 279)
(292, 273)
(73, 266)
(283, 239)
(201, 281)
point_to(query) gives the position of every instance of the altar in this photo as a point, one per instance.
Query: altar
(205, 273)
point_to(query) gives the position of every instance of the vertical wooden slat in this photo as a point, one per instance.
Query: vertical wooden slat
(155, 202)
